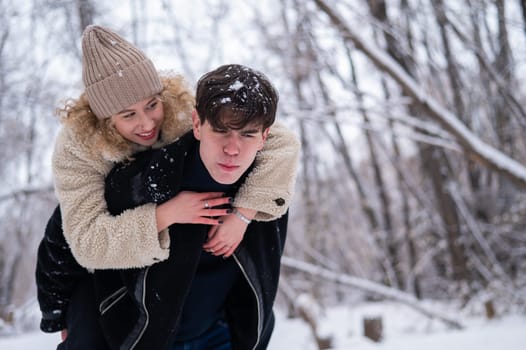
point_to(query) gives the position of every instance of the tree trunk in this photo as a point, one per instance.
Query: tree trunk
(503, 67)
(86, 13)
(373, 328)
(523, 7)
(434, 162)
(387, 234)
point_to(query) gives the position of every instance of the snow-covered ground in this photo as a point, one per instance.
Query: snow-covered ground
(404, 329)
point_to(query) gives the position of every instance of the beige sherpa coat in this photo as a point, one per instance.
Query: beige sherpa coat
(84, 155)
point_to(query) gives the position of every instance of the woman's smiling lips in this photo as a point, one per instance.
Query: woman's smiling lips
(147, 135)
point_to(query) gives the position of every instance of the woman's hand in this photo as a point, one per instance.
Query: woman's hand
(192, 208)
(224, 239)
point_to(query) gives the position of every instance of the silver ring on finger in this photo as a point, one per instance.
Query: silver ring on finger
(207, 205)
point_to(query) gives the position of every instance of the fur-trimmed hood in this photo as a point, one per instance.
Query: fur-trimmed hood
(101, 140)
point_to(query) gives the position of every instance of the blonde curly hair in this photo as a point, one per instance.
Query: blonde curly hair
(101, 134)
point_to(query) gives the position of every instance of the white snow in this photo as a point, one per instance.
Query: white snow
(404, 329)
(235, 86)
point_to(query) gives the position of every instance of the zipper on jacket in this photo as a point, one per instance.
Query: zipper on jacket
(145, 309)
(107, 303)
(257, 299)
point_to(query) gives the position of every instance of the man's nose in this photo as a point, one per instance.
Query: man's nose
(232, 145)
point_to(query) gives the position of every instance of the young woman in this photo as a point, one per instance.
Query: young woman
(128, 107)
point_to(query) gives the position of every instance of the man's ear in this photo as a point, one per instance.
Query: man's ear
(196, 125)
(265, 135)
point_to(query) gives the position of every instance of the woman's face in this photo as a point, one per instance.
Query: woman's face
(141, 122)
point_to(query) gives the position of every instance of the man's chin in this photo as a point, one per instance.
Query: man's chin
(225, 179)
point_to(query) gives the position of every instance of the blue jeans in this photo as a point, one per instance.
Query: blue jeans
(216, 338)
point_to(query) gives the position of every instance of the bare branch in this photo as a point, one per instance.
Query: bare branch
(479, 150)
(374, 288)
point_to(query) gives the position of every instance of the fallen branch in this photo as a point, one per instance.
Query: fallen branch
(372, 287)
(309, 310)
(27, 192)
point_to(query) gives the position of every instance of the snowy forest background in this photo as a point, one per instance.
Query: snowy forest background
(411, 115)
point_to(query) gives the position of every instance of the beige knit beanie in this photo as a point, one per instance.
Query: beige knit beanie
(116, 74)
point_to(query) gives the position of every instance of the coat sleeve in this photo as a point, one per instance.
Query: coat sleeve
(153, 176)
(269, 187)
(57, 274)
(97, 239)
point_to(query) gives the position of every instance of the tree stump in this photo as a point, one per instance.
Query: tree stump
(490, 309)
(372, 328)
(324, 342)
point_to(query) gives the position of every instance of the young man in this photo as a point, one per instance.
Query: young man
(196, 299)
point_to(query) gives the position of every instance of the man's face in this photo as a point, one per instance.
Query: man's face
(228, 153)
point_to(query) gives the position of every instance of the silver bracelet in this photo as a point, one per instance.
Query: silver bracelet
(242, 217)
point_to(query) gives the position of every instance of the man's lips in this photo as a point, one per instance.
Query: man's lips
(228, 167)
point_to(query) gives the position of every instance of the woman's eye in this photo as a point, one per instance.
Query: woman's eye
(153, 105)
(129, 115)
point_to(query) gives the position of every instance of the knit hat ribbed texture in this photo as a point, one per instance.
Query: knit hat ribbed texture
(116, 74)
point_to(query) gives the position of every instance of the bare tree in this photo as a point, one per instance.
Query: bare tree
(410, 116)
(86, 13)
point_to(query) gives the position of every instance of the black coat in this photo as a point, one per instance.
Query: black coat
(141, 308)
(57, 275)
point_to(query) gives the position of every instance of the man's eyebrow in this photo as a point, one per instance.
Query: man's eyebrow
(250, 131)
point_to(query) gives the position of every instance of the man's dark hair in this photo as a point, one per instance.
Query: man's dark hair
(234, 96)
